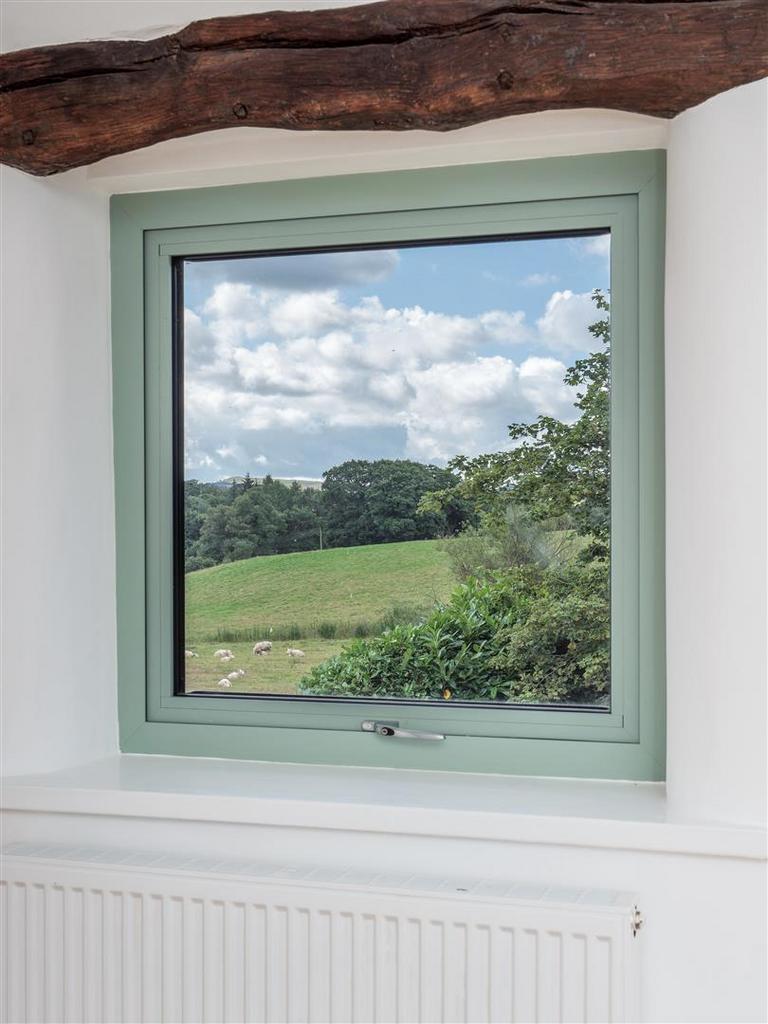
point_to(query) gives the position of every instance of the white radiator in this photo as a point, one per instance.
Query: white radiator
(96, 935)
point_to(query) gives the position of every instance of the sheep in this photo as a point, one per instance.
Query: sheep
(262, 647)
(237, 674)
(223, 653)
(189, 654)
(225, 682)
(294, 652)
(227, 657)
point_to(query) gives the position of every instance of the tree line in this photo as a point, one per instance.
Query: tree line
(359, 502)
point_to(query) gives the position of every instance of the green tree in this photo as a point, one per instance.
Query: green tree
(223, 524)
(375, 502)
(556, 470)
(212, 546)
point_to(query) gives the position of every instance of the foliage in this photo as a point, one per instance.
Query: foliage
(504, 543)
(248, 518)
(449, 655)
(555, 469)
(359, 503)
(378, 502)
(530, 635)
(559, 651)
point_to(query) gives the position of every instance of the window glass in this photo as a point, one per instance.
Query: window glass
(394, 466)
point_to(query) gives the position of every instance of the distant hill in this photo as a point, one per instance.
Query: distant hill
(308, 483)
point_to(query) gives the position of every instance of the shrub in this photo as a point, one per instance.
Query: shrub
(529, 635)
(449, 655)
(559, 651)
(507, 542)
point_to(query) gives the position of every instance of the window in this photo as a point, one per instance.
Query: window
(389, 457)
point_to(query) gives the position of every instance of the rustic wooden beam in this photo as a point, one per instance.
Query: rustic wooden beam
(398, 64)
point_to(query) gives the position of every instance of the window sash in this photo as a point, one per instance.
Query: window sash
(150, 231)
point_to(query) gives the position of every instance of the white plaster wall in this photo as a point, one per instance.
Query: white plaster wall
(58, 663)
(702, 950)
(705, 940)
(57, 576)
(716, 347)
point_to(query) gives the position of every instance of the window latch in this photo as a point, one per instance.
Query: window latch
(393, 729)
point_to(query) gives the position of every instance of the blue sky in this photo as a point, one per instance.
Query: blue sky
(295, 363)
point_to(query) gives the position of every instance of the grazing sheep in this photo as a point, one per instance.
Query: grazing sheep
(262, 647)
(189, 654)
(224, 654)
(237, 674)
(225, 682)
(294, 652)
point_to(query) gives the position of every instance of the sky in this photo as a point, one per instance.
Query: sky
(296, 363)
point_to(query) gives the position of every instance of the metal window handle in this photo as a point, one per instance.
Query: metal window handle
(393, 729)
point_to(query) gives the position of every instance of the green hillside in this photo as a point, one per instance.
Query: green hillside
(314, 599)
(345, 586)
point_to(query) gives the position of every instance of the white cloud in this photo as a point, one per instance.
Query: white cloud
(563, 327)
(300, 271)
(541, 383)
(536, 280)
(199, 340)
(312, 380)
(307, 313)
(597, 245)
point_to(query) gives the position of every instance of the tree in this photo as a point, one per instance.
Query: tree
(225, 524)
(376, 502)
(557, 470)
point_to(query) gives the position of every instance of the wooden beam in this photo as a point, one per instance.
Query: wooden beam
(397, 65)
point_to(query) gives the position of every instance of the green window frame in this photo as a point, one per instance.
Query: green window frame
(623, 192)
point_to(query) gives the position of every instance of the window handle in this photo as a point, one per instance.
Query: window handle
(393, 729)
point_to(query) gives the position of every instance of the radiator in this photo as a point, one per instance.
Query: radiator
(99, 935)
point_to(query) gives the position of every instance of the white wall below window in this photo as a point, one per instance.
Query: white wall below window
(700, 888)
(703, 943)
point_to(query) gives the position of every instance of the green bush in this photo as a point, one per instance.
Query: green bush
(559, 650)
(451, 653)
(529, 635)
(508, 542)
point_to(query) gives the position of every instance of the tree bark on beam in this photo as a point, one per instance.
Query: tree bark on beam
(394, 65)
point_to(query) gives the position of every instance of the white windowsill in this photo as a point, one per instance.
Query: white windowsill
(570, 812)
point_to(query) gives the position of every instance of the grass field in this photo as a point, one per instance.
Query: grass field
(270, 673)
(314, 600)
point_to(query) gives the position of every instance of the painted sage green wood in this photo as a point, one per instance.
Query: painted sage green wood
(616, 213)
(622, 192)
